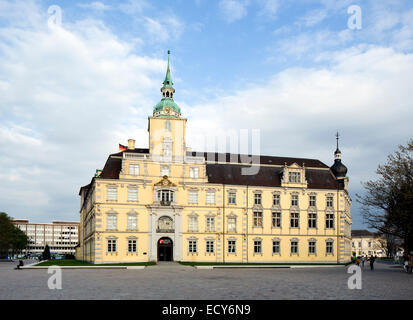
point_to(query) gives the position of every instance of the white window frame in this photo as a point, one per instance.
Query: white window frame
(209, 246)
(257, 246)
(232, 197)
(111, 245)
(210, 197)
(192, 223)
(111, 222)
(131, 223)
(132, 246)
(193, 196)
(134, 169)
(192, 246)
(232, 227)
(210, 224)
(276, 217)
(194, 172)
(232, 246)
(132, 193)
(112, 193)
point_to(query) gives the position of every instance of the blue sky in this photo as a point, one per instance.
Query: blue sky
(294, 70)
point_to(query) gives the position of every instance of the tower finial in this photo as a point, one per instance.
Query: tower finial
(168, 81)
(337, 137)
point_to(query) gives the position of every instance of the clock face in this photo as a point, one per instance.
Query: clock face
(167, 110)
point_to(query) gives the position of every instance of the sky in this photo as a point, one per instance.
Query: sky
(79, 77)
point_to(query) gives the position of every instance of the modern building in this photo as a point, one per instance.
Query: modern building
(61, 236)
(166, 202)
(367, 243)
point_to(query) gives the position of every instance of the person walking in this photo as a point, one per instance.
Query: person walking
(363, 259)
(372, 259)
(358, 261)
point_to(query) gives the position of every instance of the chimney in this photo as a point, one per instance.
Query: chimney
(131, 144)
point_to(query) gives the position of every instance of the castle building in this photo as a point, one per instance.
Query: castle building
(168, 203)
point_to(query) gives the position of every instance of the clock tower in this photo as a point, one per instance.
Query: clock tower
(166, 127)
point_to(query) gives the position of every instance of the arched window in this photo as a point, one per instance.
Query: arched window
(167, 94)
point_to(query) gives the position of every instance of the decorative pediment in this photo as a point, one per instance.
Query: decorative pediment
(165, 182)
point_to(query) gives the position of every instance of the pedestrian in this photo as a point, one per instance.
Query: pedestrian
(372, 259)
(358, 261)
(363, 259)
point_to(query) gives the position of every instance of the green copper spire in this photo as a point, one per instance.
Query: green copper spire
(168, 81)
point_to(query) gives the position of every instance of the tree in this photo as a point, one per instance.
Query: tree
(12, 239)
(387, 204)
(46, 253)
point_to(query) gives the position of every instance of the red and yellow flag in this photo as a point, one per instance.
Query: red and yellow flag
(122, 147)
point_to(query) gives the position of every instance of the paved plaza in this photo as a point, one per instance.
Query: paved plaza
(173, 281)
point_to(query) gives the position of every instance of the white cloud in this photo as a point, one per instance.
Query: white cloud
(233, 10)
(96, 5)
(269, 7)
(165, 29)
(67, 96)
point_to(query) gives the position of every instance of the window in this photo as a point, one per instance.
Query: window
(210, 197)
(210, 246)
(257, 219)
(257, 198)
(111, 222)
(312, 220)
(164, 171)
(192, 246)
(276, 199)
(167, 149)
(311, 247)
(168, 125)
(193, 223)
(276, 219)
(232, 224)
(294, 177)
(132, 222)
(193, 196)
(132, 194)
(294, 219)
(329, 247)
(360, 244)
(111, 245)
(134, 169)
(294, 247)
(312, 201)
(194, 172)
(329, 201)
(257, 246)
(352, 244)
(232, 198)
(231, 246)
(276, 246)
(112, 193)
(131, 245)
(329, 221)
(210, 224)
(294, 199)
(166, 195)
(369, 244)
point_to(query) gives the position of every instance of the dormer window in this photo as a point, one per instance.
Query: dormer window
(294, 177)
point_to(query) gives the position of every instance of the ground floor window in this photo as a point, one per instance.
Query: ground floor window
(257, 246)
(294, 247)
(131, 245)
(111, 245)
(276, 246)
(329, 247)
(193, 246)
(210, 246)
(311, 247)
(231, 246)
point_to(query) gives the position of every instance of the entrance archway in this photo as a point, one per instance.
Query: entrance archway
(165, 249)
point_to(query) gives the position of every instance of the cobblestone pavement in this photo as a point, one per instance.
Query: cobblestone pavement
(173, 281)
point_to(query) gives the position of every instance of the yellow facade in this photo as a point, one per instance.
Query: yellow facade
(166, 203)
